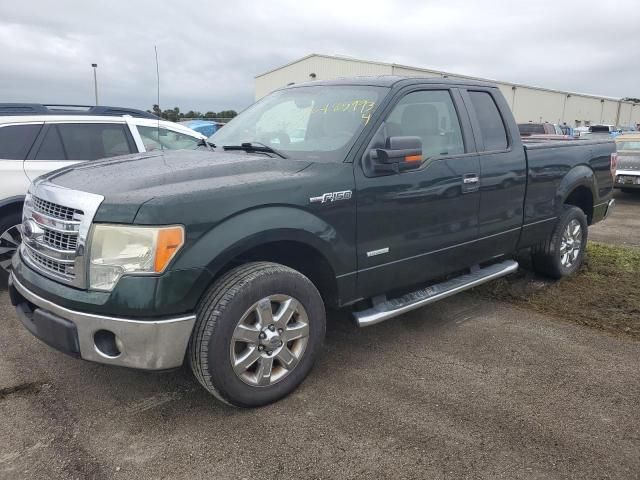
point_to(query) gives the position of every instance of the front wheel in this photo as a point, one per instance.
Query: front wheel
(563, 253)
(258, 331)
(10, 239)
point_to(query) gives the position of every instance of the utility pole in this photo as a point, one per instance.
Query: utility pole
(95, 80)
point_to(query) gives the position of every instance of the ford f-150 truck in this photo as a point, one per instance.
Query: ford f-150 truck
(376, 194)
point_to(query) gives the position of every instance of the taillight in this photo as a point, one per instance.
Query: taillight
(614, 164)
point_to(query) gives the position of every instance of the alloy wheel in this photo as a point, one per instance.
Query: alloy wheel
(269, 340)
(9, 242)
(571, 243)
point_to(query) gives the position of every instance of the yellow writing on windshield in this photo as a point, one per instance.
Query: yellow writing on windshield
(364, 107)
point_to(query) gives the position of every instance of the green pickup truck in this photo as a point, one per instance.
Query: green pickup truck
(380, 195)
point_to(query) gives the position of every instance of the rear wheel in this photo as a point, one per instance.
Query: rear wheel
(563, 253)
(10, 239)
(258, 331)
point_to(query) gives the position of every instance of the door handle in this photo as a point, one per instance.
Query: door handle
(470, 178)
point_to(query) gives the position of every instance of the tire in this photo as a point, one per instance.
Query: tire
(241, 305)
(563, 254)
(9, 241)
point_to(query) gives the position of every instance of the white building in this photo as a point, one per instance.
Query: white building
(527, 103)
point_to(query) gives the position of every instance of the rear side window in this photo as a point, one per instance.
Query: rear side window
(16, 140)
(490, 120)
(93, 141)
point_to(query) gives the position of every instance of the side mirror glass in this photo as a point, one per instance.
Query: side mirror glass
(399, 154)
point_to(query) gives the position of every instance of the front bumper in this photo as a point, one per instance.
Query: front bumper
(148, 344)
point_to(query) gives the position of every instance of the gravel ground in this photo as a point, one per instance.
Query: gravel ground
(623, 226)
(462, 389)
(466, 388)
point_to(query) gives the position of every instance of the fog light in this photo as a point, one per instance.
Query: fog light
(107, 343)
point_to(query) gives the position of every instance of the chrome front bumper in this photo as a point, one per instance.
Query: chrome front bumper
(144, 344)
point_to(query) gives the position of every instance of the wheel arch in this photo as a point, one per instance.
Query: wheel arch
(578, 188)
(292, 237)
(11, 204)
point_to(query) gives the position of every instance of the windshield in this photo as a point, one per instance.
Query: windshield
(318, 123)
(628, 145)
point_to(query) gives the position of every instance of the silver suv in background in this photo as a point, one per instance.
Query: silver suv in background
(36, 139)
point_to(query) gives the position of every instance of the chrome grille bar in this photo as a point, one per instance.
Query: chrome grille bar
(55, 224)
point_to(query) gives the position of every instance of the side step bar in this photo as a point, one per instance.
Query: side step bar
(397, 306)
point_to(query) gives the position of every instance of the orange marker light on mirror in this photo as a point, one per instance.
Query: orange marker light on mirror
(413, 158)
(169, 242)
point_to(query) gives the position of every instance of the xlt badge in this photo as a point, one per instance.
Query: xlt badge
(331, 197)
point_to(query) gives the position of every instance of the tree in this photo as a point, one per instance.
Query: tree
(174, 114)
(227, 114)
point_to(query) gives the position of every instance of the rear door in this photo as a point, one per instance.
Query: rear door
(503, 175)
(15, 142)
(63, 144)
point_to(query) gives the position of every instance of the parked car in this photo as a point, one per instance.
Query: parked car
(544, 131)
(568, 131)
(36, 139)
(601, 131)
(628, 169)
(400, 192)
(205, 127)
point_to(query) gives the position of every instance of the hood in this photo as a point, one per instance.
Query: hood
(128, 182)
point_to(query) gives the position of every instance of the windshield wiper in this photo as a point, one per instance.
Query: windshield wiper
(205, 143)
(255, 147)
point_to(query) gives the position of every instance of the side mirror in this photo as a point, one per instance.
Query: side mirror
(399, 154)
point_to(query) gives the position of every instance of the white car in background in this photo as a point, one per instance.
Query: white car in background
(36, 139)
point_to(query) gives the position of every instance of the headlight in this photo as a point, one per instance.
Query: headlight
(117, 250)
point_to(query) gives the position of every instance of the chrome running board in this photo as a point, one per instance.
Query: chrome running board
(410, 301)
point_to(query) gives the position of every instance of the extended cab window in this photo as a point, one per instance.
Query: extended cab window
(16, 140)
(84, 141)
(490, 120)
(160, 138)
(430, 115)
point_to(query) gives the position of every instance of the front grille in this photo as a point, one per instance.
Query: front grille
(60, 241)
(56, 211)
(51, 265)
(58, 221)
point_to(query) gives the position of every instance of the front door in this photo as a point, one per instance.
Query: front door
(417, 225)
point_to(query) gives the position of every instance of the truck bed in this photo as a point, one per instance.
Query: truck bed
(553, 165)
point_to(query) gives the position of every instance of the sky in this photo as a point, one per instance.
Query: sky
(210, 51)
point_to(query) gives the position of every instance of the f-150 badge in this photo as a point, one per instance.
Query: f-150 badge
(331, 197)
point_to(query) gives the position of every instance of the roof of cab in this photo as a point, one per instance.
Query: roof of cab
(392, 81)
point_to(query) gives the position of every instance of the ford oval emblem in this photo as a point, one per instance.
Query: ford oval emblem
(28, 229)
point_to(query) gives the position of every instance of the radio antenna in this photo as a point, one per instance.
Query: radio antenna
(155, 47)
